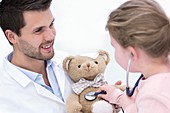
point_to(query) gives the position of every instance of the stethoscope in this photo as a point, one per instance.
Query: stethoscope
(90, 96)
(128, 91)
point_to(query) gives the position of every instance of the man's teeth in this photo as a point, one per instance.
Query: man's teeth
(47, 46)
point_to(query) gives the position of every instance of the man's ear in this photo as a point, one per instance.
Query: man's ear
(12, 37)
(133, 52)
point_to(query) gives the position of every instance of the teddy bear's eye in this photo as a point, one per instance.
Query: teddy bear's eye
(79, 66)
(96, 62)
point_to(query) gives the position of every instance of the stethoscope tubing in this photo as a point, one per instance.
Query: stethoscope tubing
(128, 91)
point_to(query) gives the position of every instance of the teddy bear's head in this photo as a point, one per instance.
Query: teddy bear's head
(86, 67)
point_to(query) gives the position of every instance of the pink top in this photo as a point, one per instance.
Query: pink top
(153, 95)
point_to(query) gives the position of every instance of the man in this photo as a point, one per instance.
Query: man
(30, 82)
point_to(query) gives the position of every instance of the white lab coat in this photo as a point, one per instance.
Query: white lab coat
(18, 94)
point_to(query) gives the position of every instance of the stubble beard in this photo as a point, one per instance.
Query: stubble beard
(33, 52)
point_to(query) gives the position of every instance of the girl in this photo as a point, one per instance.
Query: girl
(140, 33)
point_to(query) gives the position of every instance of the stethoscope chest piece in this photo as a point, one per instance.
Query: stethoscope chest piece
(90, 96)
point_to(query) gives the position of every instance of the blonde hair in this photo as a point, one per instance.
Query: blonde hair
(142, 24)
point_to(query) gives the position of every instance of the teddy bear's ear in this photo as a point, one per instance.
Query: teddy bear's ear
(105, 55)
(66, 62)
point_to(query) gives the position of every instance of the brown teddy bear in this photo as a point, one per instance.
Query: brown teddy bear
(88, 75)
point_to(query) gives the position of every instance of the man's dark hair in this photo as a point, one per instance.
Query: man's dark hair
(11, 12)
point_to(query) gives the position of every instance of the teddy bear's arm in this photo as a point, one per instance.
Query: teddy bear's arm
(73, 105)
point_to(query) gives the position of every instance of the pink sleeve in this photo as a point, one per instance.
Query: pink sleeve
(131, 108)
(116, 94)
(114, 99)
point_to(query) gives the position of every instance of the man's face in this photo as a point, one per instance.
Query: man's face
(37, 36)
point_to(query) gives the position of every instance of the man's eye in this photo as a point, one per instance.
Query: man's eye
(38, 30)
(52, 24)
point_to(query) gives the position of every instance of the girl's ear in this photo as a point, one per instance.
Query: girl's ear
(11, 36)
(134, 53)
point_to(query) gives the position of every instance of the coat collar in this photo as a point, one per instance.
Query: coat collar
(24, 81)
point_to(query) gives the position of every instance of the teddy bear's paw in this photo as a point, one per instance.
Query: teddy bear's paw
(102, 107)
(77, 109)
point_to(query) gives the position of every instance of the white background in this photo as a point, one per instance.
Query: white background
(80, 27)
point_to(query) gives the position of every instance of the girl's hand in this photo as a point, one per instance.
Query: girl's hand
(109, 90)
(116, 96)
(112, 93)
(119, 82)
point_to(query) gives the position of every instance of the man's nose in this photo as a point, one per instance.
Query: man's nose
(50, 34)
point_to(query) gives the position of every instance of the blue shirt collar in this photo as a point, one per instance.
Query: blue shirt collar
(30, 74)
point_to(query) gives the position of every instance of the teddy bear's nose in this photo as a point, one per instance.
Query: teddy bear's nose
(88, 65)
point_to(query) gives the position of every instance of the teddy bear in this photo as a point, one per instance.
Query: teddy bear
(88, 75)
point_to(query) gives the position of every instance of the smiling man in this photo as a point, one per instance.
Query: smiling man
(30, 81)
